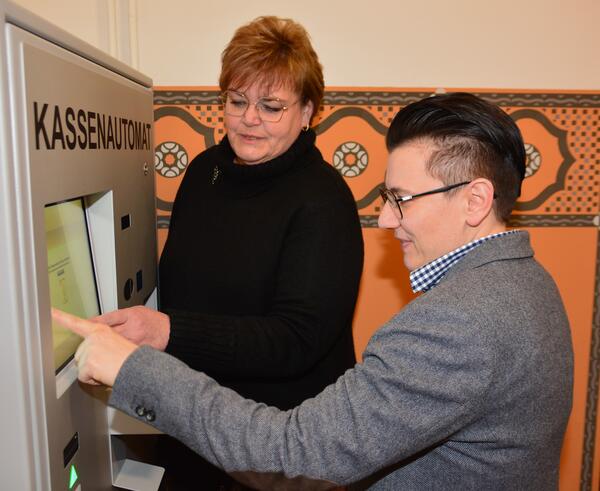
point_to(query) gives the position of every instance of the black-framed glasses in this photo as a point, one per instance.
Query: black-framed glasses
(388, 195)
(269, 109)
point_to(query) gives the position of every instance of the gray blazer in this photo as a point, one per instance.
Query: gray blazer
(468, 387)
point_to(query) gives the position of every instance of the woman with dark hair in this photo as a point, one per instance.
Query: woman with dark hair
(260, 271)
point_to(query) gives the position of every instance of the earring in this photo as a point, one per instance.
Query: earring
(306, 127)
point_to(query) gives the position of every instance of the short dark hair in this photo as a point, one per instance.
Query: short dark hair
(471, 138)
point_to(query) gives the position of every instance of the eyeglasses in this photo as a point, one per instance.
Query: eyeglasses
(269, 109)
(388, 195)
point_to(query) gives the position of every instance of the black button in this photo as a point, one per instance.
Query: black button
(150, 416)
(138, 280)
(128, 289)
(125, 221)
(140, 411)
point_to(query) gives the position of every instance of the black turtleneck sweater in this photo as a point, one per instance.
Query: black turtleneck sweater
(260, 272)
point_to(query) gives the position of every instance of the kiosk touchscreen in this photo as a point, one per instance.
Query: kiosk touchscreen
(78, 228)
(72, 284)
(70, 273)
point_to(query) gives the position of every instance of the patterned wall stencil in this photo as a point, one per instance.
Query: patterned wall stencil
(559, 205)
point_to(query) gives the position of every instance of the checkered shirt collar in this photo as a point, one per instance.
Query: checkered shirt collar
(429, 275)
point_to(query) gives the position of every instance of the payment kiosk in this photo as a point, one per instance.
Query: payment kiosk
(77, 231)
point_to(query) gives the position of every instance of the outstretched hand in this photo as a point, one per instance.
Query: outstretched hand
(101, 354)
(140, 325)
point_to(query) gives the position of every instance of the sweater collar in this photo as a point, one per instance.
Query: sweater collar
(266, 170)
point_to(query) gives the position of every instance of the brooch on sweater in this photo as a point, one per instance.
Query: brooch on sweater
(215, 174)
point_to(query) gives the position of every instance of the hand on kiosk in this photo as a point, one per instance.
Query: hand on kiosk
(140, 325)
(101, 354)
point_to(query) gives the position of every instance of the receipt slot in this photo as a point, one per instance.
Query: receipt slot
(77, 228)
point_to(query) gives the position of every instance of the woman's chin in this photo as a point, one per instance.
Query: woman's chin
(249, 156)
(249, 161)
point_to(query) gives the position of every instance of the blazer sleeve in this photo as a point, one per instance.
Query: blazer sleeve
(313, 301)
(419, 383)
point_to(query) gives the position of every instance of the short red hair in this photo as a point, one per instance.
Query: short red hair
(277, 52)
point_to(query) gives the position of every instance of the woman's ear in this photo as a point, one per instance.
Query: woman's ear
(307, 112)
(480, 201)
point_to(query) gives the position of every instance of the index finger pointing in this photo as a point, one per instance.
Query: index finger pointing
(76, 324)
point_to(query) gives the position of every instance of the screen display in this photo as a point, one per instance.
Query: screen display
(70, 272)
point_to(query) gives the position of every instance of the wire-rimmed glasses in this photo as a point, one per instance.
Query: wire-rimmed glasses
(269, 109)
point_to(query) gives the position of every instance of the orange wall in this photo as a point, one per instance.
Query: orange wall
(559, 206)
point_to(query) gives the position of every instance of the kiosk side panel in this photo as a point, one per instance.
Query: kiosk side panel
(82, 134)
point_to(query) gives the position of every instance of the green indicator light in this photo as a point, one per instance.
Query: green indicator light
(72, 477)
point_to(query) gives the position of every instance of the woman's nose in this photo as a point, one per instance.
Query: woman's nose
(251, 116)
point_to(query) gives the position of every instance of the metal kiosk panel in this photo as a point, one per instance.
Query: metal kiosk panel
(72, 130)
